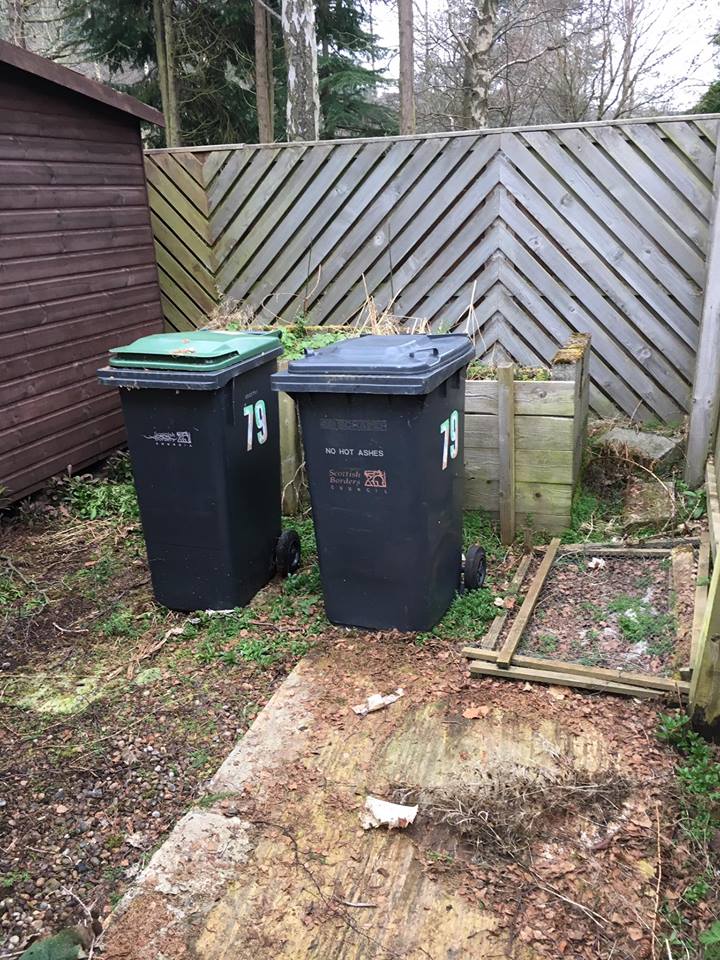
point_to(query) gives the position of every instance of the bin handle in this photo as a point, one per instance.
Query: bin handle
(433, 350)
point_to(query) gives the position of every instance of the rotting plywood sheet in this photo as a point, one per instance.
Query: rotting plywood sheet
(279, 864)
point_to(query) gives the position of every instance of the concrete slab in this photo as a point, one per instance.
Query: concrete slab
(644, 445)
(276, 866)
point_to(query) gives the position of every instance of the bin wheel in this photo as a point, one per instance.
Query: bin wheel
(475, 567)
(287, 553)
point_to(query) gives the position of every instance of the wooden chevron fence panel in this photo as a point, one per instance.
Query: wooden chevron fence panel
(520, 237)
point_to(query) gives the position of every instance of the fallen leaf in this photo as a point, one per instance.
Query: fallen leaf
(472, 713)
(635, 933)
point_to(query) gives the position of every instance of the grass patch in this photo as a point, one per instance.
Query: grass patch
(122, 622)
(479, 528)
(590, 515)
(468, 618)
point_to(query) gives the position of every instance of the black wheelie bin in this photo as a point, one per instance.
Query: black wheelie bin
(203, 433)
(382, 427)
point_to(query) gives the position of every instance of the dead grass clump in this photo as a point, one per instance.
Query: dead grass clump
(384, 321)
(504, 811)
(231, 314)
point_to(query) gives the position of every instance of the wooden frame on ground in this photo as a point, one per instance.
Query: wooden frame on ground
(506, 664)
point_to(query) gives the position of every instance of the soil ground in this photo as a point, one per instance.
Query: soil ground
(114, 714)
(620, 612)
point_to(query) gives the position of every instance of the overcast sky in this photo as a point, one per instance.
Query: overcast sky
(693, 30)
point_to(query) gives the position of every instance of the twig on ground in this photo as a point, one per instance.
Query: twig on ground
(351, 903)
(656, 910)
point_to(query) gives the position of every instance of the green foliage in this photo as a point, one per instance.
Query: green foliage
(547, 643)
(468, 618)
(587, 508)
(710, 938)
(122, 622)
(710, 100)
(94, 498)
(639, 623)
(220, 640)
(698, 776)
(479, 528)
(8, 880)
(484, 371)
(298, 337)
(692, 504)
(215, 56)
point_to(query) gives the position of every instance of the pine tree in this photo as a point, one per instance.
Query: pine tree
(214, 48)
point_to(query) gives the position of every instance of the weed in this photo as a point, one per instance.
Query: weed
(547, 643)
(441, 856)
(484, 371)
(93, 498)
(296, 338)
(122, 622)
(91, 578)
(113, 874)
(692, 504)
(698, 889)
(13, 877)
(260, 647)
(640, 623)
(698, 776)
(468, 617)
(199, 758)
(593, 611)
(305, 529)
(210, 799)
(10, 591)
(114, 841)
(710, 939)
(479, 528)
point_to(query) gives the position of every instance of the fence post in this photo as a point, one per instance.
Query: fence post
(705, 685)
(506, 448)
(706, 383)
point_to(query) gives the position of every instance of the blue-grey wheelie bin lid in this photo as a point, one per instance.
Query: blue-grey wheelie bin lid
(397, 364)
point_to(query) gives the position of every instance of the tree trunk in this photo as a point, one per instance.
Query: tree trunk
(478, 72)
(17, 23)
(165, 54)
(407, 67)
(263, 74)
(303, 96)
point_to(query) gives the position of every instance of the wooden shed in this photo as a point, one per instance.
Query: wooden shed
(77, 265)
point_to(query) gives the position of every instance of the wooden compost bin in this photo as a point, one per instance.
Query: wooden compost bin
(523, 442)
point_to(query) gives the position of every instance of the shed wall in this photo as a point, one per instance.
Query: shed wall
(77, 274)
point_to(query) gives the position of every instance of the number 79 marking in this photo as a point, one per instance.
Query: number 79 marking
(449, 430)
(256, 418)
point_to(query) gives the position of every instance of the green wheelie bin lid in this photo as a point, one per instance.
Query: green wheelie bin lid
(194, 350)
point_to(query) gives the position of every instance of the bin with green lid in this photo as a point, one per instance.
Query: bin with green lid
(203, 433)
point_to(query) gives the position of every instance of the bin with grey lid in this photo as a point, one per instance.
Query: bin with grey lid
(382, 426)
(203, 433)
